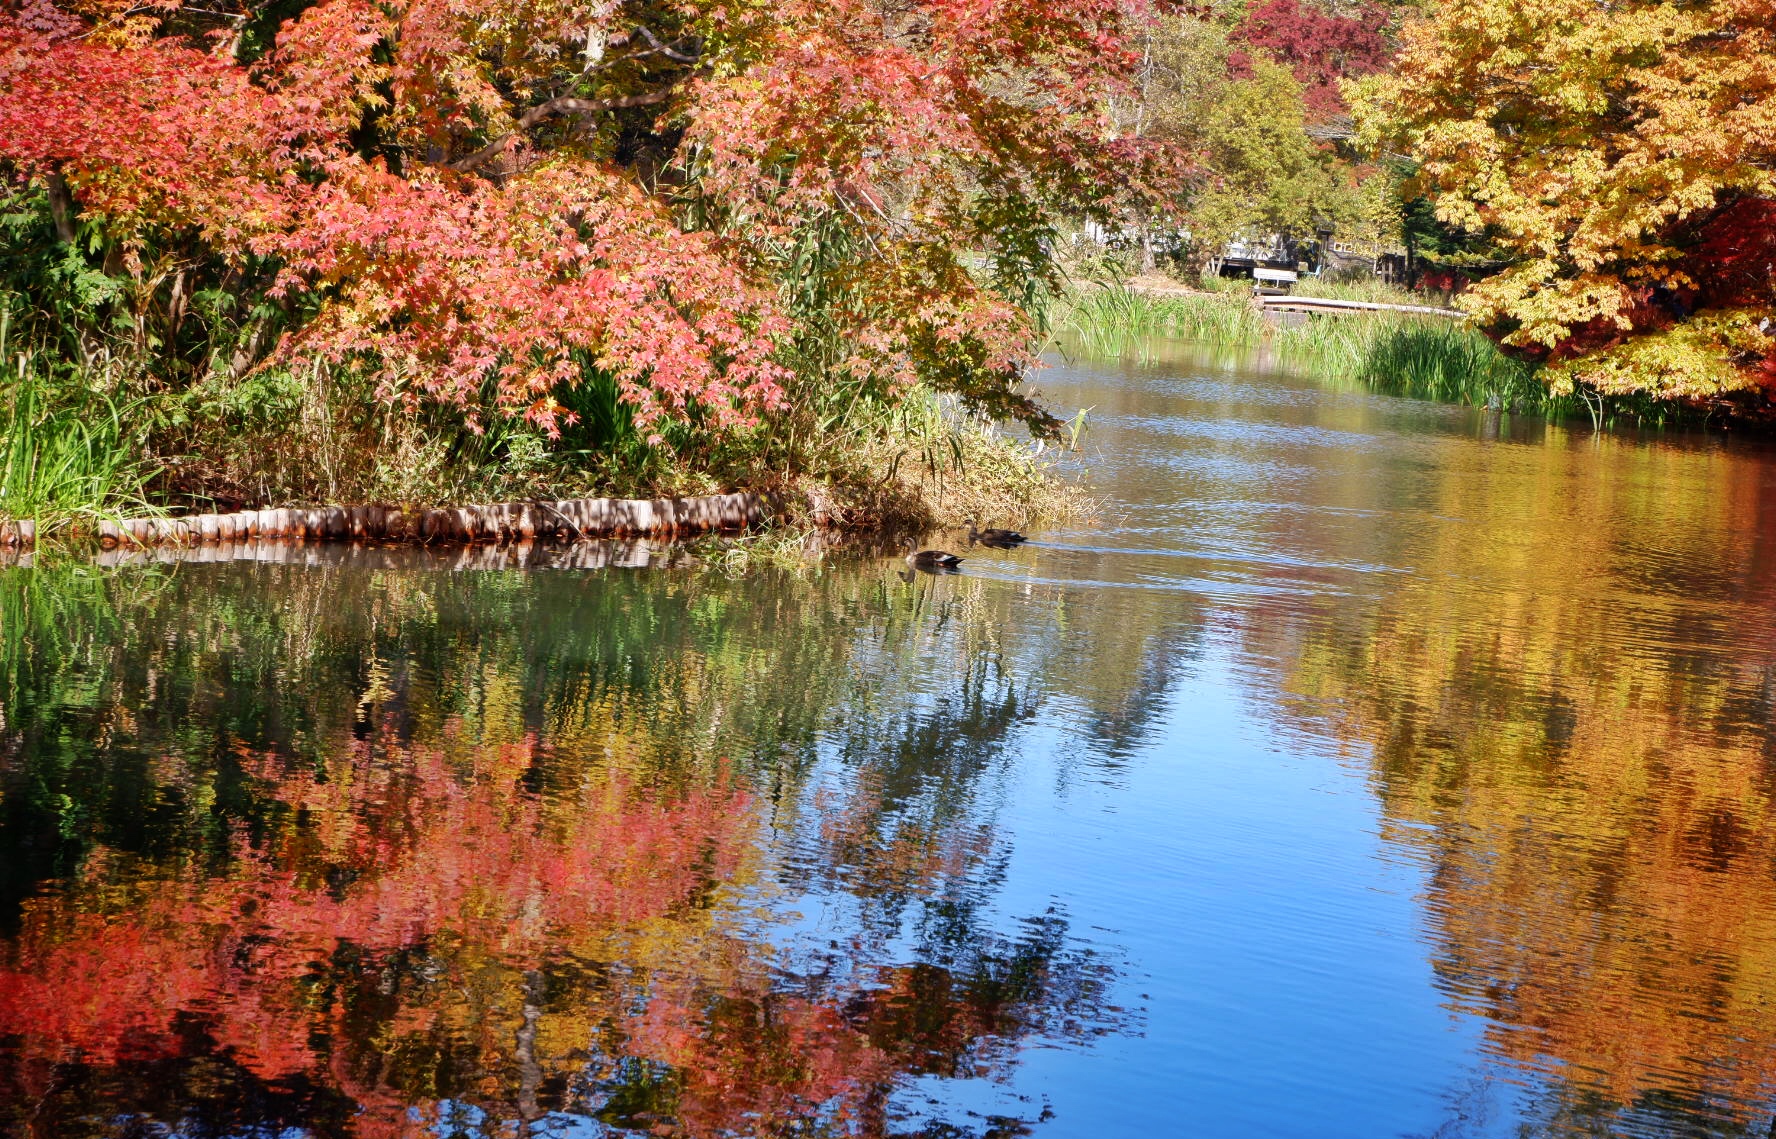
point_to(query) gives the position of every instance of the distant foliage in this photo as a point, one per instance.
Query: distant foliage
(1621, 160)
(1319, 47)
(1248, 124)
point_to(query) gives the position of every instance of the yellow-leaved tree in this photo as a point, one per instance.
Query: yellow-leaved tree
(1621, 154)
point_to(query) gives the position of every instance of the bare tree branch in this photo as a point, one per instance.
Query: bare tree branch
(669, 53)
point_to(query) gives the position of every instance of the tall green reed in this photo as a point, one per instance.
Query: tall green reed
(1397, 353)
(68, 450)
(1116, 322)
(1444, 360)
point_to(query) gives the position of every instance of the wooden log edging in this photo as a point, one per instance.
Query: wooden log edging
(591, 553)
(494, 523)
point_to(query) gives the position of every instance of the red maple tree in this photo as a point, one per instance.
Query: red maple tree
(457, 194)
(1318, 46)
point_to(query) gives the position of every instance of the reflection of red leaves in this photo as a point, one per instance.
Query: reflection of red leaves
(472, 860)
(109, 1001)
(754, 1054)
(405, 851)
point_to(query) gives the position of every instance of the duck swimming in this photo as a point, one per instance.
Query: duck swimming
(993, 536)
(933, 559)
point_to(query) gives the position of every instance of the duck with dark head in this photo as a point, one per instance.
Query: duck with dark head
(993, 536)
(932, 560)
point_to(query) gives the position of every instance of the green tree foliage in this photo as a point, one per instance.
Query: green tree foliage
(1268, 175)
(1257, 164)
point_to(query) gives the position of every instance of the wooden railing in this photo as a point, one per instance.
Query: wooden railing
(1326, 305)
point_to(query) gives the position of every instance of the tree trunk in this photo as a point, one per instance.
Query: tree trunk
(61, 208)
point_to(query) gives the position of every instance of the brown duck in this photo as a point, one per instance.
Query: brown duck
(932, 559)
(993, 536)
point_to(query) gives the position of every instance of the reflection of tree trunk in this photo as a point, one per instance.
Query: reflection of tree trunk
(530, 1073)
(873, 1112)
(36, 1126)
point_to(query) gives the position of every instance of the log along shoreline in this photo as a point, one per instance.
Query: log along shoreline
(495, 523)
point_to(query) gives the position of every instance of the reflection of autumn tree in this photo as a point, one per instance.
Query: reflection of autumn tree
(396, 863)
(336, 845)
(963, 1015)
(124, 732)
(1577, 702)
(412, 923)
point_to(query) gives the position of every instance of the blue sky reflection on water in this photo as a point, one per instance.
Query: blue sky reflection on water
(1277, 943)
(1272, 939)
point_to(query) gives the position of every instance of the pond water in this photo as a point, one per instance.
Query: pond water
(1372, 768)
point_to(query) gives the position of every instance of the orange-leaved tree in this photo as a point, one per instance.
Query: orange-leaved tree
(1621, 156)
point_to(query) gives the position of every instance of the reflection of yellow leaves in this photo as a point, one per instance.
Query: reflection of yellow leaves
(1574, 729)
(376, 687)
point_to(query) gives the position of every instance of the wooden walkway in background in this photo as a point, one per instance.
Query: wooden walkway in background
(1319, 305)
(1324, 306)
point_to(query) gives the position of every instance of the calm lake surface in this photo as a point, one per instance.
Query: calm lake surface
(1374, 768)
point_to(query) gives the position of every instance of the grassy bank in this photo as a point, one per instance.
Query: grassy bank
(1397, 353)
(82, 440)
